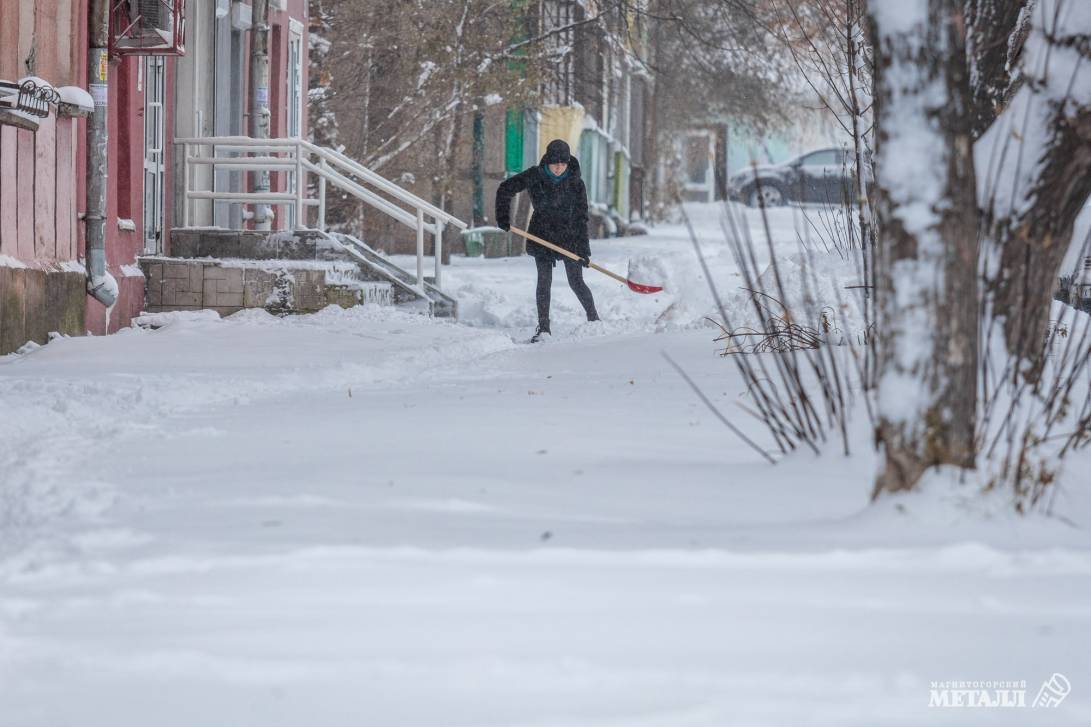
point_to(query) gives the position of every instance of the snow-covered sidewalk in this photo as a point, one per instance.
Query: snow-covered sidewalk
(370, 517)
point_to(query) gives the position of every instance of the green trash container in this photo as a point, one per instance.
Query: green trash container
(474, 241)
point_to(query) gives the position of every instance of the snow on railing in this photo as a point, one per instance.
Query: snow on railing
(298, 158)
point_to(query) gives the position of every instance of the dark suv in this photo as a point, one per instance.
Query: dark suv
(825, 176)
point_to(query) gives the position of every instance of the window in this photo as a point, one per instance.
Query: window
(295, 84)
(294, 97)
(560, 87)
(153, 70)
(824, 158)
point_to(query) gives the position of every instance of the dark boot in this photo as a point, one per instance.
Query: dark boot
(543, 329)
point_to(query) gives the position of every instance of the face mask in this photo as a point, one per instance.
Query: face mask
(562, 175)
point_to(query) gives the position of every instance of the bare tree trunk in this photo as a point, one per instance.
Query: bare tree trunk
(1033, 246)
(364, 138)
(654, 149)
(477, 163)
(865, 209)
(996, 31)
(927, 305)
(1040, 151)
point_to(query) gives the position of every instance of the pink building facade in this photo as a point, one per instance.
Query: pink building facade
(150, 100)
(41, 286)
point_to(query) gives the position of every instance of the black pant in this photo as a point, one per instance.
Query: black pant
(574, 271)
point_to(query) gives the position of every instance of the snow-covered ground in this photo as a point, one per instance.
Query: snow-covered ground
(366, 517)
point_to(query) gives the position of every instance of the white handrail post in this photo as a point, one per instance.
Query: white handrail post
(185, 185)
(212, 187)
(420, 247)
(322, 196)
(300, 182)
(437, 233)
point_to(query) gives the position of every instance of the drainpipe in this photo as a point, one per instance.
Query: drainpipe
(259, 103)
(100, 284)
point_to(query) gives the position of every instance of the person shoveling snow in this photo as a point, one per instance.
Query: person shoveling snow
(559, 198)
(560, 214)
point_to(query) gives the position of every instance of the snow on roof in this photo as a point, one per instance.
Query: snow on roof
(77, 97)
(38, 81)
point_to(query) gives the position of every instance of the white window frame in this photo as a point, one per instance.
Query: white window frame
(153, 77)
(294, 97)
(295, 38)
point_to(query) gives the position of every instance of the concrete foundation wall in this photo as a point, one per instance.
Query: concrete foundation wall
(36, 302)
(227, 287)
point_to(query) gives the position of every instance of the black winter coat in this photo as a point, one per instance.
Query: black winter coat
(560, 208)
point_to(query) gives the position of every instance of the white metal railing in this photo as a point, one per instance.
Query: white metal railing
(299, 158)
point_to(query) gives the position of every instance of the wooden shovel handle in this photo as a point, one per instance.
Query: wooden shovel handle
(568, 254)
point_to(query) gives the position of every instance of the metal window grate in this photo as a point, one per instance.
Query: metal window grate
(147, 27)
(30, 97)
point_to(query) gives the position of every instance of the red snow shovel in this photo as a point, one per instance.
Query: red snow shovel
(635, 287)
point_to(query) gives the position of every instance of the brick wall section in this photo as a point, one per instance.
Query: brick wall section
(176, 286)
(223, 287)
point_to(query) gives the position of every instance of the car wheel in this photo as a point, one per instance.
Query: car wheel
(767, 195)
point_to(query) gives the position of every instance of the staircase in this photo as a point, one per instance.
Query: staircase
(298, 204)
(407, 289)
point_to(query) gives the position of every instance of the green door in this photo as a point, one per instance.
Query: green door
(513, 140)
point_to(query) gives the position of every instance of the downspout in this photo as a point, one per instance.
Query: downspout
(100, 284)
(259, 104)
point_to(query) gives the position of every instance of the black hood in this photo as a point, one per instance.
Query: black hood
(573, 164)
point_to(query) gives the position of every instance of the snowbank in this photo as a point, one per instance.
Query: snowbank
(818, 294)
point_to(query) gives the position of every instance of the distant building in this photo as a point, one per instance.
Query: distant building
(710, 153)
(597, 100)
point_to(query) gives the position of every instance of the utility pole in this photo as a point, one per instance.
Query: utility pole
(99, 284)
(259, 104)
